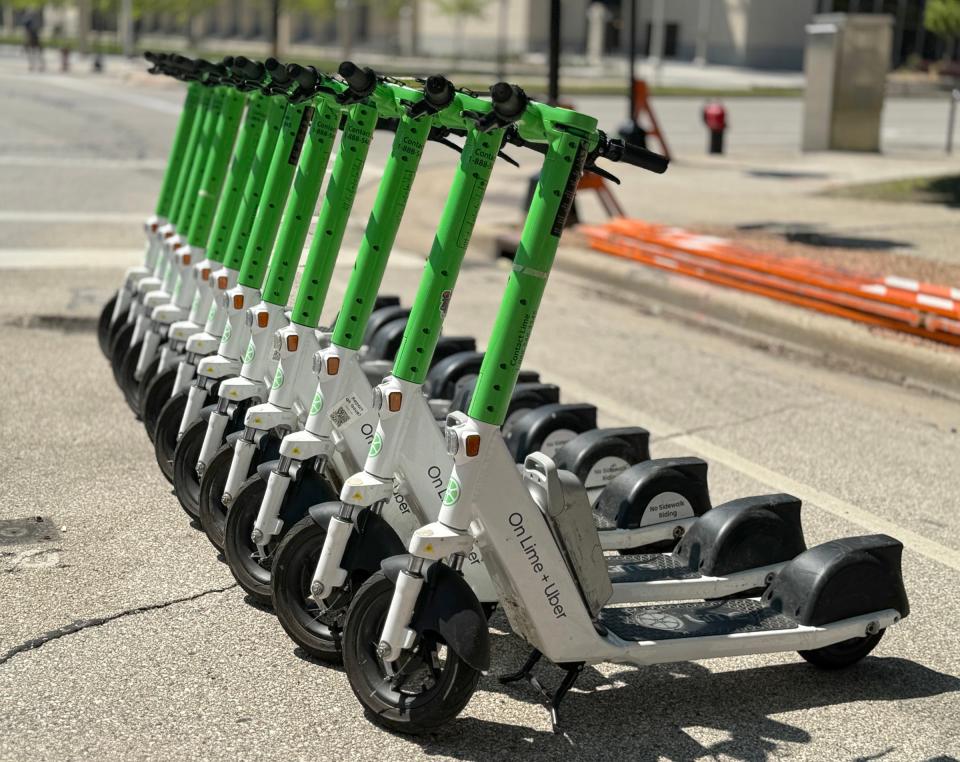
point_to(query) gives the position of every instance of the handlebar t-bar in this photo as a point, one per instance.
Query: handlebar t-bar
(361, 80)
(247, 69)
(439, 91)
(306, 76)
(509, 101)
(277, 71)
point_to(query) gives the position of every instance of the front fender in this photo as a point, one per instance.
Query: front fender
(371, 541)
(449, 607)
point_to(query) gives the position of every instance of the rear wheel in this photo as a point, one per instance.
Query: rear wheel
(212, 511)
(428, 686)
(249, 564)
(119, 345)
(103, 325)
(316, 631)
(165, 433)
(155, 395)
(186, 483)
(842, 654)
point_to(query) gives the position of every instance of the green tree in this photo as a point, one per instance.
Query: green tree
(942, 17)
(460, 11)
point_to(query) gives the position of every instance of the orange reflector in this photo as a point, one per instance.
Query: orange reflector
(333, 366)
(473, 445)
(154, 226)
(222, 282)
(205, 273)
(168, 234)
(293, 341)
(186, 260)
(263, 318)
(393, 401)
(238, 301)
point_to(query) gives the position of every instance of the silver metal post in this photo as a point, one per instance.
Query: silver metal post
(951, 120)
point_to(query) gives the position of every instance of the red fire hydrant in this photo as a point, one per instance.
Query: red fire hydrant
(715, 117)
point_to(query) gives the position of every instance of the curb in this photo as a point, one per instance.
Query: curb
(849, 346)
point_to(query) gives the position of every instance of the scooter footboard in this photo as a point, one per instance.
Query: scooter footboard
(841, 579)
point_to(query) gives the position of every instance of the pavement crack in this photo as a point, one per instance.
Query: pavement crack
(85, 624)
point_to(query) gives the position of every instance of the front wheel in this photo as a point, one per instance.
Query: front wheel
(249, 563)
(842, 654)
(103, 325)
(166, 430)
(154, 396)
(186, 483)
(316, 632)
(126, 377)
(427, 687)
(212, 511)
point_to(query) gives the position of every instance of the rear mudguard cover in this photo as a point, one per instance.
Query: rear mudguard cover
(548, 428)
(448, 346)
(594, 455)
(381, 318)
(449, 607)
(443, 376)
(841, 579)
(744, 534)
(664, 489)
(371, 541)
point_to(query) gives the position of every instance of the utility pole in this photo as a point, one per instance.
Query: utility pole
(703, 33)
(553, 73)
(275, 28)
(656, 33)
(126, 27)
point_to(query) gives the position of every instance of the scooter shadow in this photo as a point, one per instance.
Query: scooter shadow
(644, 713)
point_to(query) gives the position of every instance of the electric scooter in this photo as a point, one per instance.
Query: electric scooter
(112, 315)
(219, 132)
(159, 278)
(415, 639)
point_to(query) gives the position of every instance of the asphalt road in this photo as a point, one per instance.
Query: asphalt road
(161, 657)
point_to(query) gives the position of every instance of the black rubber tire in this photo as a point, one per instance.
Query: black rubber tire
(414, 713)
(125, 377)
(212, 511)
(293, 566)
(186, 483)
(148, 375)
(103, 325)
(843, 654)
(114, 331)
(156, 394)
(119, 346)
(252, 575)
(165, 432)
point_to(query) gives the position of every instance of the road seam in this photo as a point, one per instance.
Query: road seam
(86, 624)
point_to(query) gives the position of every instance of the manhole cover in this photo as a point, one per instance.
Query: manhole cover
(27, 531)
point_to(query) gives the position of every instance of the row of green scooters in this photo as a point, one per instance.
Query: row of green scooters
(384, 487)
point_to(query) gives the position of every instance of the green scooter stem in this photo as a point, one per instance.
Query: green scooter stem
(334, 214)
(244, 154)
(205, 146)
(233, 256)
(189, 157)
(175, 160)
(381, 231)
(214, 173)
(324, 120)
(552, 198)
(275, 192)
(449, 247)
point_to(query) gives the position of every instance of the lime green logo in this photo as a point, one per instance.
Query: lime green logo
(196, 301)
(453, 492)
(278, 379)
(176, 291)
(226, 334)
(375, 446)
(317, 405)
(212, 313)
(250, 353)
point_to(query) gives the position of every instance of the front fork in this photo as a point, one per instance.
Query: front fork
(134, 275)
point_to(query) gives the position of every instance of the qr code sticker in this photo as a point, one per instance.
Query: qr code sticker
(339, 417)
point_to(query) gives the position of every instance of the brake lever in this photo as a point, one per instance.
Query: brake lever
(508, 159)
(446, 142)
(602, 173)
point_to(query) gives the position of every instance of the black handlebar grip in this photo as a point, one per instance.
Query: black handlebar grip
(360, 80)
(153, 58)
(509, 101)
(439, 91)
(277, 71)
(641, 157)
(227, 62)
(247, 69)
(306, 76)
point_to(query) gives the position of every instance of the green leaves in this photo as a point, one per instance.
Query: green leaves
(942, 17)
(461, 7)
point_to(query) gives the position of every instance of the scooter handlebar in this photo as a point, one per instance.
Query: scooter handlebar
(279, 73)
(359, 79)
(509, 101)
(306, 76)
(245, 68)
(637, 156)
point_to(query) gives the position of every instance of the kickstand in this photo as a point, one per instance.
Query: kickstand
(572, 673)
